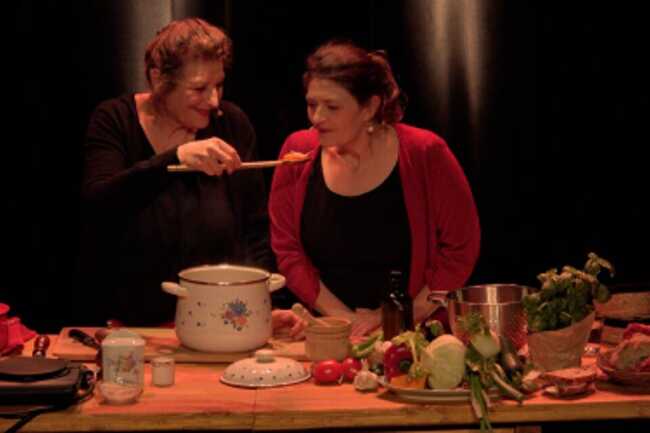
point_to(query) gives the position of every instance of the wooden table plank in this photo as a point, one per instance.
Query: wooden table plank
(306, 406)
(597, 406)
(163, 342)
(198, 401)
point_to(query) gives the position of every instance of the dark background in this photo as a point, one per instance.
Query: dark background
(556, 164)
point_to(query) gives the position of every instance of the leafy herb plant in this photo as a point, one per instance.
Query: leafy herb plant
(566, 298)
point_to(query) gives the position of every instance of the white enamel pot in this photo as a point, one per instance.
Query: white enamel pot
(224, 308)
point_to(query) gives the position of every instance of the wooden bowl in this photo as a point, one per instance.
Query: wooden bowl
(328, 342)
(623, 377)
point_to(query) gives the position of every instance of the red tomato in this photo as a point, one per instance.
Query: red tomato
(351, 366)
(329, 371)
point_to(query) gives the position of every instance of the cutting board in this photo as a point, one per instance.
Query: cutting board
(163, 342)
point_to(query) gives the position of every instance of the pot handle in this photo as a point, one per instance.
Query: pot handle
(438, 297)
(276, 281)
(174, 289)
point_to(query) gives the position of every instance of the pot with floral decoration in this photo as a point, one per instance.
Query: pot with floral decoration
(223, 308)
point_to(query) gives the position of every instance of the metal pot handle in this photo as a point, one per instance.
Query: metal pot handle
(276, 281)
(438, 297)
(175, 289)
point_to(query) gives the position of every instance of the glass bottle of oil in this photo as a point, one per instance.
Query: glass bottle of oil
(396, 307)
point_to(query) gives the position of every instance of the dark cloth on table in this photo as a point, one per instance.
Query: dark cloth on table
(142, 224)
(355, 241)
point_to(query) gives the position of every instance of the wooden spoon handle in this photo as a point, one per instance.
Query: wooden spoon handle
(301, 311)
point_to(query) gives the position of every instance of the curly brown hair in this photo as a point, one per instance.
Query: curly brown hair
(179, 42)
(362, 73)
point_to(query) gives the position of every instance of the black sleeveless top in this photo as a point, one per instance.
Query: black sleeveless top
(356, 241)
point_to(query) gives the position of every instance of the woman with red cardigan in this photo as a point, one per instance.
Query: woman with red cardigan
(376, 195)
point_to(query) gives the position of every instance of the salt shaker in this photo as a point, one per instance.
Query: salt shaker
(162, 371)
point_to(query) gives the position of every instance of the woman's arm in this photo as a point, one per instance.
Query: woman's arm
(329, 305)
(364, 320)
(422, 306)
(456, 222)
(287, 190)
(111, 181)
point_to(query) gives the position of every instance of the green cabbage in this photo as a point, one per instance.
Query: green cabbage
(444, 360)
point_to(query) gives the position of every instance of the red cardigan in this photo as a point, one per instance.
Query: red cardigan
(445, 233)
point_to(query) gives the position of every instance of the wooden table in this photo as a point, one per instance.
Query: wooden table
(198, 401)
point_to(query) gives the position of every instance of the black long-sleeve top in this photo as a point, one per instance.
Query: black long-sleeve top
(142, 224)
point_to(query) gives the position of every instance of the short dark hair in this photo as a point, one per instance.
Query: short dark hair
(181, 41)
(364, 74)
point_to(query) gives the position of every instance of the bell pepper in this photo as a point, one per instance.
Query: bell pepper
(397, 360)
(365, 348)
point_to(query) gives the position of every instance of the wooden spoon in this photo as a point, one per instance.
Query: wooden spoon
(288, 158)
(302, 312)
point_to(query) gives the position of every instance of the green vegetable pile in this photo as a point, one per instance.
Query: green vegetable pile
(566, 298)
(427, 357)
(491, 362)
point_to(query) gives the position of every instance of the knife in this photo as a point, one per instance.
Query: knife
(83, 338)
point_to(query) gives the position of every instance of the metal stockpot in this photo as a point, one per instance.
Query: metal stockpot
(500, 305)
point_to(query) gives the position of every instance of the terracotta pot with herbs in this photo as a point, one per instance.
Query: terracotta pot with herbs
(561, 314)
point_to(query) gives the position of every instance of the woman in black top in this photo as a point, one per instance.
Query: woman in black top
(143, 224)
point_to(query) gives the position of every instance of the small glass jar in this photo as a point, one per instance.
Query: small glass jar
(162, 371)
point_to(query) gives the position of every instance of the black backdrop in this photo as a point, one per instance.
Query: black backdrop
(557, 166)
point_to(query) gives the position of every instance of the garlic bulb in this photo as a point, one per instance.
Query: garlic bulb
(365, 381)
